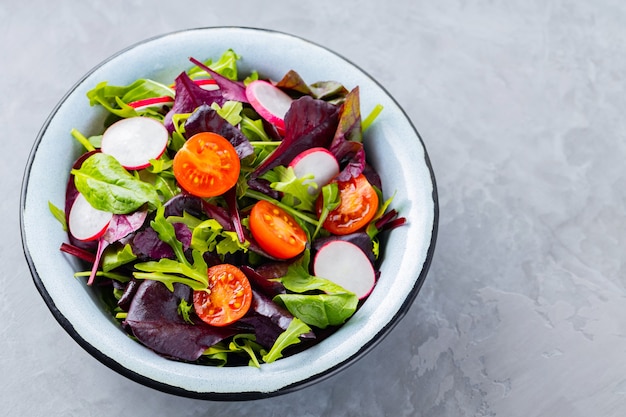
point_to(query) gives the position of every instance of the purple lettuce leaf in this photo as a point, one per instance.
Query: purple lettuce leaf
(218, 213)
(147, 245)
(129, 292)
(205, 119)
(124, 224)
(154, 320)
(233, 211)
(229, 89)
(293, 84)
(308, 123)
(263, 186)
(347, 143)
(121, 225)
(197, 207)
(188, 97)
(265, 330)
(181, 203)
(351, 158)
(261, 277)
(349, 128)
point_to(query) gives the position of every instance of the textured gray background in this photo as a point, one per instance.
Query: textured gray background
(521, 106)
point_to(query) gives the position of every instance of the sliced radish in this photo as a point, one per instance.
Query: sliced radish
(269, 101)
(345, 264)
(319, 162)
(135, 141)
(151, 102)
(86, 222)
(207, 84)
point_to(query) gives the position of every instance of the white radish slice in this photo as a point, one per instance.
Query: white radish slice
(135, 141)
(207, 84)
(269, 101)
(345, 264)
(151, 102)
(319, 162)
(86, 222)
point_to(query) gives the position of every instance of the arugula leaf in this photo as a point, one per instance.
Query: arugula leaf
(241, 343)
(253, 129)
(246, 343)
(167, 234)
(217, 355)
(184, 309)
(230, 111)
(204, 235)
(231, 244)
(169, 272)
(289, 337)
(163, 164)
(116, 256)
(109, 187)
(187, 219)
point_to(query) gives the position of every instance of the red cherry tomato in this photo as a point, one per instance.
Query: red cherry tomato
(207, 165)
(276, 231)
(228, 297)
(359, 203)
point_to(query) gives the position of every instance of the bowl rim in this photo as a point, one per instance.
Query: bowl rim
(222, 396)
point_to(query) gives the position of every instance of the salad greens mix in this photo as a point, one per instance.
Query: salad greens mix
(208, 251)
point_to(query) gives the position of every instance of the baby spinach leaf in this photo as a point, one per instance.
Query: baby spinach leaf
(109, 187)
(330, 308)
(320, 310)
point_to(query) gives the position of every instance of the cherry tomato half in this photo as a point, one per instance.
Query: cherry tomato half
(359, 203)
(228, 297)
(276, 231)
(207, 165)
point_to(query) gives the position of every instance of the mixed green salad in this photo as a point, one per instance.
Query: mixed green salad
(227, 219)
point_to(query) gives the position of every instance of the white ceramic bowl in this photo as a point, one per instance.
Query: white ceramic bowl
(394, 148)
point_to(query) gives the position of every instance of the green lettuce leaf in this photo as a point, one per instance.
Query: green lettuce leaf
(116, 98)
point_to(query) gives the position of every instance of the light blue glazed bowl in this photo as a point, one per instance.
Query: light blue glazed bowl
(394, 148)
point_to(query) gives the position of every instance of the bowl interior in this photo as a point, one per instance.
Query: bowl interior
(393, 146)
